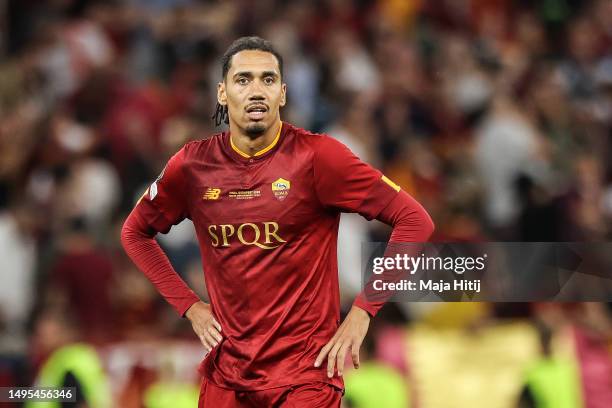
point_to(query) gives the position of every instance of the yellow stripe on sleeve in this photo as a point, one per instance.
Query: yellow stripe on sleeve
(390, 183)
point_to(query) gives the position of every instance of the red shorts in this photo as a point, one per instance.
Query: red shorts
(310, 395)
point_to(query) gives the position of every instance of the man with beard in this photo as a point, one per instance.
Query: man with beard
(265, 198)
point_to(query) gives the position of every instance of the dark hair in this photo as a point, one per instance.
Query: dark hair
(242, 44)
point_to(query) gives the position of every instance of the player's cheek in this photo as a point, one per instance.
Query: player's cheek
(278, 95)
(236, 98)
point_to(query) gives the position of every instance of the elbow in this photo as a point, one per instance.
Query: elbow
(134, 230)
(428, 226)
(126, 235)
(415, 227)
(410, 221)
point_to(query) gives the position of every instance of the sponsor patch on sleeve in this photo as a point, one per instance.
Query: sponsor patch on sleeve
(153, 191)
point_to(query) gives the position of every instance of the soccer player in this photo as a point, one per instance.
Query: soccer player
(265, 198)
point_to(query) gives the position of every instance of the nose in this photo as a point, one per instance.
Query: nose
(257, 93)
(256, 96)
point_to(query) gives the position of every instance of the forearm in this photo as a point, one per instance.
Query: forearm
(411, 223)
(139, 243)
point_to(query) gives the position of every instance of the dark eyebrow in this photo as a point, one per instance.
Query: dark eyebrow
(249, 74)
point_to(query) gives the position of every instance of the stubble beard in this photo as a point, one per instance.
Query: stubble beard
(254, 130)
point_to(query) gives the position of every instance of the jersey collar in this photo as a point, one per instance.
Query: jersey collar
(244, 156)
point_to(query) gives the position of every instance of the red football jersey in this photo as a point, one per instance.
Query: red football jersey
(267, 226)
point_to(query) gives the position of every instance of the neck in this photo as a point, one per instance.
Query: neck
(249, 145)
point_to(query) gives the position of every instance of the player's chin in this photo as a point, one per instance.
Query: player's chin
(255, 128)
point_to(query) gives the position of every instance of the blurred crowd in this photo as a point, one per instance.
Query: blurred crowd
(495, 114)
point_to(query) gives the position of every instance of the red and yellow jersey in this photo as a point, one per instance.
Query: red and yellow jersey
(267, 226)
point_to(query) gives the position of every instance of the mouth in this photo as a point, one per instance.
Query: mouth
(256, 111)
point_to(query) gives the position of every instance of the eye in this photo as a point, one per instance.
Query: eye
(242, 81)
(268, 80)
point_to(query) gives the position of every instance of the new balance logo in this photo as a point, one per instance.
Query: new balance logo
(211, 193)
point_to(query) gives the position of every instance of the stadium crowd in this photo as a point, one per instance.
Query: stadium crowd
(495, 114)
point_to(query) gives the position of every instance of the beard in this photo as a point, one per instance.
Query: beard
(254, 130)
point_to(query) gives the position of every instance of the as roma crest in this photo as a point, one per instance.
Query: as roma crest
(280, 188)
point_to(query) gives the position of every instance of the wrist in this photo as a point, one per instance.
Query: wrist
(367, 307)
(359, 312)
(193, 308)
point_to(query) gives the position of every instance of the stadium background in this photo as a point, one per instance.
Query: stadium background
(495, 114)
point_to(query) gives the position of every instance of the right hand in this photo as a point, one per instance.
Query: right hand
(204, 324)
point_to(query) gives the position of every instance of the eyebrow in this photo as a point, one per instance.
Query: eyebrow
(249, 74)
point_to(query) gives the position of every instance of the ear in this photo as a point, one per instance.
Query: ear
(283, 99)
(221, 95)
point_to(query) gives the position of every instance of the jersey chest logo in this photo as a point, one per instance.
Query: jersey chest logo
(280, 188)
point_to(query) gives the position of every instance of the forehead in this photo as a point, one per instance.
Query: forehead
(253, 61)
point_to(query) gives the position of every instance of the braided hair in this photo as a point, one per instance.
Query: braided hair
(221, 115)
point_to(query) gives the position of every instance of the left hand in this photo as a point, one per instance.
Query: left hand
(349, 335)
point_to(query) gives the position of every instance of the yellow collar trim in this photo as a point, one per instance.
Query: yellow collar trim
(262, 151)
